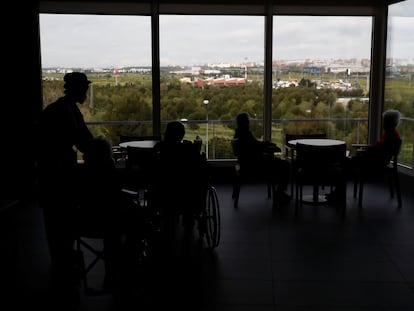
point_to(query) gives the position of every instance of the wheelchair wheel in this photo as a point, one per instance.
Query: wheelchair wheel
(211, 216)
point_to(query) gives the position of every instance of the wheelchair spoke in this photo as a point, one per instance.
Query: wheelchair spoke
(212, 215)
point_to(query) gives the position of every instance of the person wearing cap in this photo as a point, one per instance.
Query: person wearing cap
(62, 125)
(62, 132)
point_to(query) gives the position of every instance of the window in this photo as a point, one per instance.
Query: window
(321, 75)
(213, 61)
(399, 81)
(211, 69)
(115, 52)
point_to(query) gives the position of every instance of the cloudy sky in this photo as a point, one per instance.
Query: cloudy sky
(103, 41)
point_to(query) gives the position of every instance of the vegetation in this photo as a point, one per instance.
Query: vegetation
(129, 98)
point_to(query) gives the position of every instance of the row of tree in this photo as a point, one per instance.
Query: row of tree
(131, 100)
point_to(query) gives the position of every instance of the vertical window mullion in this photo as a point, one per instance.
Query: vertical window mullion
(155, 42)
(267, 113)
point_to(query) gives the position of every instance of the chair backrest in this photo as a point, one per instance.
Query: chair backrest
(287, 137)
(180, 177)
(181, 159)
(319, 161)
(198, 142)
(320, 155)
(248, 163)
(252, 169)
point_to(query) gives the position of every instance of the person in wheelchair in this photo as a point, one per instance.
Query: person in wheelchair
(104, 210)
(181, 180)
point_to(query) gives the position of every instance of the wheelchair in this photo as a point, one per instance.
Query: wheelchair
(186, 195)
(90, 247)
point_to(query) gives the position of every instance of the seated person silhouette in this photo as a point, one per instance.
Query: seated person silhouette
(379, 153)
(180, 183)
(103, 210)
(374, 157)
(255, 155)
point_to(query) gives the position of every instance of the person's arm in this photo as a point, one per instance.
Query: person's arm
(377, 143)
(271, 147)
(83, 134)
(84, 138)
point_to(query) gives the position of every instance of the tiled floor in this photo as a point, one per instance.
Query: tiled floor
(267, 260)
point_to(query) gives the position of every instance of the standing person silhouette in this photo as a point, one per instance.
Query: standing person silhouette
(62, 129)
(258, 155)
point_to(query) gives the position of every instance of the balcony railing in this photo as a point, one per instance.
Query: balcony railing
(352, 130)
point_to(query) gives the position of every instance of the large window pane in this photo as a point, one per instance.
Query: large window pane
(321, 67)
(115, 53)
(212, 69)
(399, 83)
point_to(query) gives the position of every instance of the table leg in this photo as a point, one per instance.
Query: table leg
(315, 197)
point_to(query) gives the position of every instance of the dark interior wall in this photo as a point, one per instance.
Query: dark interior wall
(21, 99)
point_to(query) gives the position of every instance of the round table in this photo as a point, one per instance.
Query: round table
(317, 142)
(144, 144)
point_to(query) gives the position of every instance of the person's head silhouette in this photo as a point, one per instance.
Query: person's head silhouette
(76, 85)
(391, 118)
(243, 121)
(174, 132)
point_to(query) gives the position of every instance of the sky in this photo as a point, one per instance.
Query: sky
(120, 41)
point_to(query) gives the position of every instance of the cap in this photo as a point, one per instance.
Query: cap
(75, 79)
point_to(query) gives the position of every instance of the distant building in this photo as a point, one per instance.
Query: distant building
(314, 69)
(219, 82)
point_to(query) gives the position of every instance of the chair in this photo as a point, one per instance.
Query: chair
(388, 172)
(289, 150)
(139, 169)
(108, 218)
(198, 142)
(244, 174)
(91, 247)
(93, 244)
(128, 240)
(320, 166)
